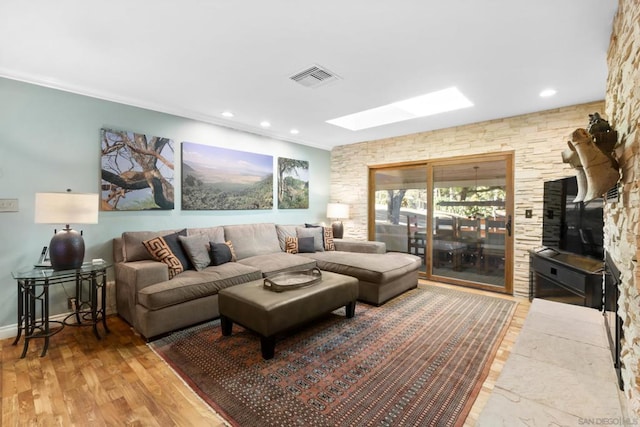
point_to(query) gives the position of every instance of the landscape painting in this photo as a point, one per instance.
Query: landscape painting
(215, 178)
(136, 171)
(293, 184)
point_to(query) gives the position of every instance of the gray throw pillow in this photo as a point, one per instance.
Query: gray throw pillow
(197, 248)
(220, 253)
(306, 245)
(316, 233)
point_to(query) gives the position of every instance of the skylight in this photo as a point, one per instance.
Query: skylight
(441, 101)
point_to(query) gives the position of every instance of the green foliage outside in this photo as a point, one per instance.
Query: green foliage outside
(416, 199)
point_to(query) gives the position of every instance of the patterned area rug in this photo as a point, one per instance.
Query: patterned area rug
(420, 359)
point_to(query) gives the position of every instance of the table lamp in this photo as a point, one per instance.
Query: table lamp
(337, 211)
(66, 249)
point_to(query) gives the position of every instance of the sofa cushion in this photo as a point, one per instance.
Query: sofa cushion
(197, 249)
(213, 234)
(253, 239)
(192, 285)
(277, 263)
(375, 268)
(133, 249)
(316, 233)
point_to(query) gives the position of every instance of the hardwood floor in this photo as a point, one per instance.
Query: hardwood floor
(82, 381)
(120, 381)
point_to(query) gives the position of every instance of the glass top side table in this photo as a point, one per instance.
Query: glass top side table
(33, 301)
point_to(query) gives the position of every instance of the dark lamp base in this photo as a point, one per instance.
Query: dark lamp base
(66, 250)
(338, 230)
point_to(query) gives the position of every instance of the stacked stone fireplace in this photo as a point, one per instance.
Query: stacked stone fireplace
(612, 319)
(622, 218)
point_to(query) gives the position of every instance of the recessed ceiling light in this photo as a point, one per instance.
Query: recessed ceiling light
(265, 124)
(294, 131)
(227, 114)
(441, 101)
(547, 93)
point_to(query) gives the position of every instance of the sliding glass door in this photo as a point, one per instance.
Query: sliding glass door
(400, 214)
(456, 214)
(472, 222)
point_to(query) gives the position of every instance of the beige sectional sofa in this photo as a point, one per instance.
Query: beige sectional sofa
(154, 304)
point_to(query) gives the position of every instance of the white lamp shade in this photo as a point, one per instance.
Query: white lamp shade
(66, 208)
(337, 210)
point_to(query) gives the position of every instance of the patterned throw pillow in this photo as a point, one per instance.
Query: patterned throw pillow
(329, 245)
(234, 258)
(160, 251)
(291, 245)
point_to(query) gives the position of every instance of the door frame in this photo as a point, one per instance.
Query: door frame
(508, 157)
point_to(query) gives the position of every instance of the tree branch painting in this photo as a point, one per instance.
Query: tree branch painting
(137, 171)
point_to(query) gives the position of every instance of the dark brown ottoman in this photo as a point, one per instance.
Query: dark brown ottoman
(268, 313)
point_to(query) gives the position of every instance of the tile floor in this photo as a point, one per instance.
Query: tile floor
(559, 373)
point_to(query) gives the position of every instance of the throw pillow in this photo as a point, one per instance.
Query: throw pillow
(316, 233)
(315, 226)
(306, 245)
(197, 249)
(291, 245)
(176, 248)
(234, 258)
(221, 253)
(160, 251)
(329, 244)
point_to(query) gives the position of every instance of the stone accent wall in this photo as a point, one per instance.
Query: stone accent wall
(622, 219)
(536, 139)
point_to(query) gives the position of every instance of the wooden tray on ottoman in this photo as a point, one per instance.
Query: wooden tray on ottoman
(289, 280)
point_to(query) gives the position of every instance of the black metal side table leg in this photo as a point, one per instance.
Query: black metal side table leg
(21, 300)
(94, 304)
(45, 318)
(103, 303)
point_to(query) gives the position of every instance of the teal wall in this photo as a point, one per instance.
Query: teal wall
(50, 141)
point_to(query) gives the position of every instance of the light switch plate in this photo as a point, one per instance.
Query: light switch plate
(528, 213)
(8, 205)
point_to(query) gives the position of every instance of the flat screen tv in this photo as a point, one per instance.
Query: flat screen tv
(570, 226)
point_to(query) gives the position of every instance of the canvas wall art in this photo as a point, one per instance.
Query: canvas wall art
(137, 171)
(215, 178)
(293, 184)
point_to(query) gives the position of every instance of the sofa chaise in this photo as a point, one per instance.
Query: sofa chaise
(155, 299)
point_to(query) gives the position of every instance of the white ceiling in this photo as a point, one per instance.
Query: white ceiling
(197, 58)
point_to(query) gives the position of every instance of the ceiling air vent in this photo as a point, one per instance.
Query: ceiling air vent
(314, 76)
